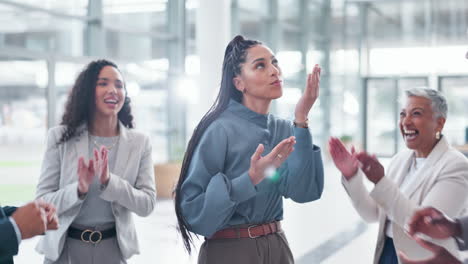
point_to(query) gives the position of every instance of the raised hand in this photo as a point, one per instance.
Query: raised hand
(434, 223)
(371, 167)
(102, 164)
(259, 164)
(345, 162)
(309, 96)
(85, 175)
(441, 255)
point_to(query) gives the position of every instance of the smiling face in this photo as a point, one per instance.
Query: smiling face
(260, 76)
(419, 125)
(110, 92)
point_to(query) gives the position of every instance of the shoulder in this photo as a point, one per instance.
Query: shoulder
(220, 124)
(57, 130)
(137, 135)
(55, 133)
(456, 159)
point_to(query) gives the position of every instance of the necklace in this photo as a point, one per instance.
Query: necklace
(108, 148)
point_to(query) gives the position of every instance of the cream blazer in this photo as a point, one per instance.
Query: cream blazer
(131, 187)
(442, 183)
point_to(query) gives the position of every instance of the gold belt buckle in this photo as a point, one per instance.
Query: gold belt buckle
(90, 238)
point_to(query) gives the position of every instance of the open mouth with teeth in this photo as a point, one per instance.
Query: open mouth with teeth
(410, 134)
(111, 101)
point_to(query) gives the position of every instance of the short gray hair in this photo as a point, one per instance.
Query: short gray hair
(439, 103)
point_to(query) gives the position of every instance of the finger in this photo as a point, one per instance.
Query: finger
(53, 224)
(258, 152)
(91, 167)
(96, 156)
(353, 150)
(43, 216)
(81, 164)
(281, 147)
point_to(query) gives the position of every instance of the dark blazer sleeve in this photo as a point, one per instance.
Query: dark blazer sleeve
(8, 240)
(9, 210)
(463, 241)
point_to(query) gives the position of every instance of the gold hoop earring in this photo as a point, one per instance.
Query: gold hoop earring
(437, 135)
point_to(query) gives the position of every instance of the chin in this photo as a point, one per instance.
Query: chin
(411, 145)
(277, 95)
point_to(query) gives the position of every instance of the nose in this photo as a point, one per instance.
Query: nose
(275, 70)
(406, 120)
(112, 88)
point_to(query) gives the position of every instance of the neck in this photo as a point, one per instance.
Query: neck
(104, 126)
(261, 106)
(423, 153)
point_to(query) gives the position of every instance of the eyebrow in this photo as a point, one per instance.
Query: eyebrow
(262, 59)
(107, 79)
(416, 108)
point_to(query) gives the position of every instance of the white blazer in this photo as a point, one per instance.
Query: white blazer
(442, 183)
(131, 186)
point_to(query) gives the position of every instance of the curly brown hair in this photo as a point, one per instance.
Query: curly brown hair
(80, 106)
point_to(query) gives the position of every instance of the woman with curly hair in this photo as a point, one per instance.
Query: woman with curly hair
(241, 161)
(97, 170)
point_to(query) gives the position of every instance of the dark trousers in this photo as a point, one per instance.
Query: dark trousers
(269, 249)
(389, 253)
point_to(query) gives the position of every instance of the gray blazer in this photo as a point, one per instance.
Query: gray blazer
(131, 187)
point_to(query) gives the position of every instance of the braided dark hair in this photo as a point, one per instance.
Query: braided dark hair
(80, 106)
(234, 57)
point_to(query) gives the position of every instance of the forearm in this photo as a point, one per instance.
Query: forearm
(140, 199)
(302, 176)
(208, 211)
(63, 199)
(8, 239)
(364, 204)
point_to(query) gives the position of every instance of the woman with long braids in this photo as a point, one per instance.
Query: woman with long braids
(241, 161)
(97, 170)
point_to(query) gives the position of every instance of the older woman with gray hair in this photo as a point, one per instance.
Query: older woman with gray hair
(429, 173)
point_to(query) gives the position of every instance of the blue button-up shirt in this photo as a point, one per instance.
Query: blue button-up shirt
(218, 192)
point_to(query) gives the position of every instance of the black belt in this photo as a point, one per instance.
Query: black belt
(91, 236)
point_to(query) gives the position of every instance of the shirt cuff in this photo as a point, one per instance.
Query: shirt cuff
(242, 188)
(303, 137)
(17, 230)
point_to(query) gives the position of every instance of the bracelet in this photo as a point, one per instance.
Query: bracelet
(304, 124)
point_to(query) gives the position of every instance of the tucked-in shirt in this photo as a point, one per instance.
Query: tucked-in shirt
(16, 228)
(218, 192)
(96, 211)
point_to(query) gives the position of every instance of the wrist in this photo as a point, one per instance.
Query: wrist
(82, 189)
(253, 177)
(376, 180)
(301, 123)
(349, 175)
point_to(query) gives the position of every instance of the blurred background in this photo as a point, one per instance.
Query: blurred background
(170, 53)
